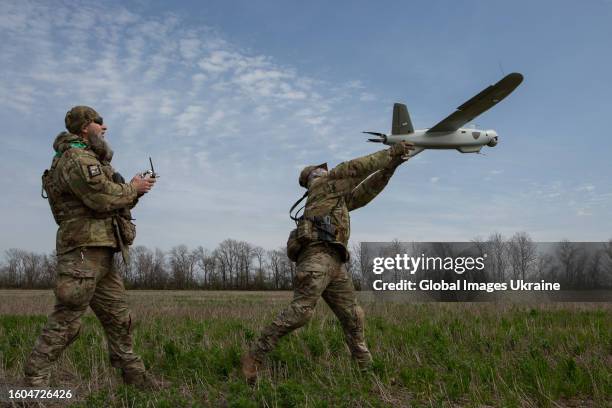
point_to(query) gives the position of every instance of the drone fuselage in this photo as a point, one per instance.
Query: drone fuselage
(464, 140)
(449, 133)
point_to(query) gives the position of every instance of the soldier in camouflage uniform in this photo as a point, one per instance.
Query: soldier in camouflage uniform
(320, 261)
(91, 204)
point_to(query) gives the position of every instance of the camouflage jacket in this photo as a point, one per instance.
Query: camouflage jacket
(83, 197)
(346, 187)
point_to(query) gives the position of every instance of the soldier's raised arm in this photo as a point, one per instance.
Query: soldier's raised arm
(360, 168)
(368, 189)
(373, 185)
(88, 182)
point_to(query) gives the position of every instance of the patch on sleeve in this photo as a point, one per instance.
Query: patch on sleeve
(94, 170)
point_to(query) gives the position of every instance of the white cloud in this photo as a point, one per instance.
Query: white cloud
(367, 97)
(188, 121)
(219, 121)
(215, 118)
(355, 84)
(190, 48)
(180, 93)
(586, 187)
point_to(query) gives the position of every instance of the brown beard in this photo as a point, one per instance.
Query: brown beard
(100, 147)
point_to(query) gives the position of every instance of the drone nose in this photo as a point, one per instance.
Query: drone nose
(493, 138)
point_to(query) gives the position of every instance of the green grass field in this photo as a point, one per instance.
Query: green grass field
(439, 355)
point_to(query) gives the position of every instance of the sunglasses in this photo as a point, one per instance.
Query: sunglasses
(98, 120)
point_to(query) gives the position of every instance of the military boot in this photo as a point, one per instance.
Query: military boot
(364, 362)
(365, 366)
(34, 379)
(139, 379)
(251, 365)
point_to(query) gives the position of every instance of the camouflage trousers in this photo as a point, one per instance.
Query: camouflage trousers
(320, 273)
(85, 277)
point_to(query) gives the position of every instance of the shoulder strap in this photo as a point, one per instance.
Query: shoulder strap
(295, 205)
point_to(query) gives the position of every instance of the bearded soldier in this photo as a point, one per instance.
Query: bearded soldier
(319, 246)
(91, 204)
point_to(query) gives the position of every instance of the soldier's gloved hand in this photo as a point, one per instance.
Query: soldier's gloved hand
(399, 152)
(142, 185)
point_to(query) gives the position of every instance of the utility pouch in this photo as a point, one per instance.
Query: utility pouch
(49, 191)
(326, 231)
(127, 229)
(294, 246)
(43, 191)
(305, 231)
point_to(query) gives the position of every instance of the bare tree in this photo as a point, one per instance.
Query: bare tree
(481, 249)
(276, 265)
(546, 268)
(32, 268)
(159, 275)
(142, 265)
(522, 251)
(594, 270)
(353, 269)
(227, 255)
(48, 270)
(498, 253)
(259, 253)
(288, 270)
(14, 267)
(244, 254)
(205, 263)
(567, 255)
(181, 266)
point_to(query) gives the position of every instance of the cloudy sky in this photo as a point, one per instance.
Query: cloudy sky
(233, 98)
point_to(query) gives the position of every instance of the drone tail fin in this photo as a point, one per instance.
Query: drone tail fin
(401, 124)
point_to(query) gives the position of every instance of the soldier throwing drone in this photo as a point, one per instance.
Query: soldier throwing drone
(319, 246)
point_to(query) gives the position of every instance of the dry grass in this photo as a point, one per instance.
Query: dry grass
(458, 354)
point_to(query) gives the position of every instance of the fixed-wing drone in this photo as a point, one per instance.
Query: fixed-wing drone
(448, 134)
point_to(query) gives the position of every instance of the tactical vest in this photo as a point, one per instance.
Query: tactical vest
(79, 225)
(64, 204)
(326, 198)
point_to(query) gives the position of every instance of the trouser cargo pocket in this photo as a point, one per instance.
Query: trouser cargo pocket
(76, 278)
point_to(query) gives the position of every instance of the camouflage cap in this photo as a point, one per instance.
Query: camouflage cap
(79, 116)
(306, 172)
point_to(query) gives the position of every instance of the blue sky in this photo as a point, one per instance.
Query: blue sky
(231, 99)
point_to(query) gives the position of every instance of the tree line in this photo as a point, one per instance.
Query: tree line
(240, 265)
(232, 265)
(574, 265)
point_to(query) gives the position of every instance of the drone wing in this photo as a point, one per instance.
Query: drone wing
(480, 103)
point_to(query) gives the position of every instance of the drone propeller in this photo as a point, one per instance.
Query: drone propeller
(383, 137)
